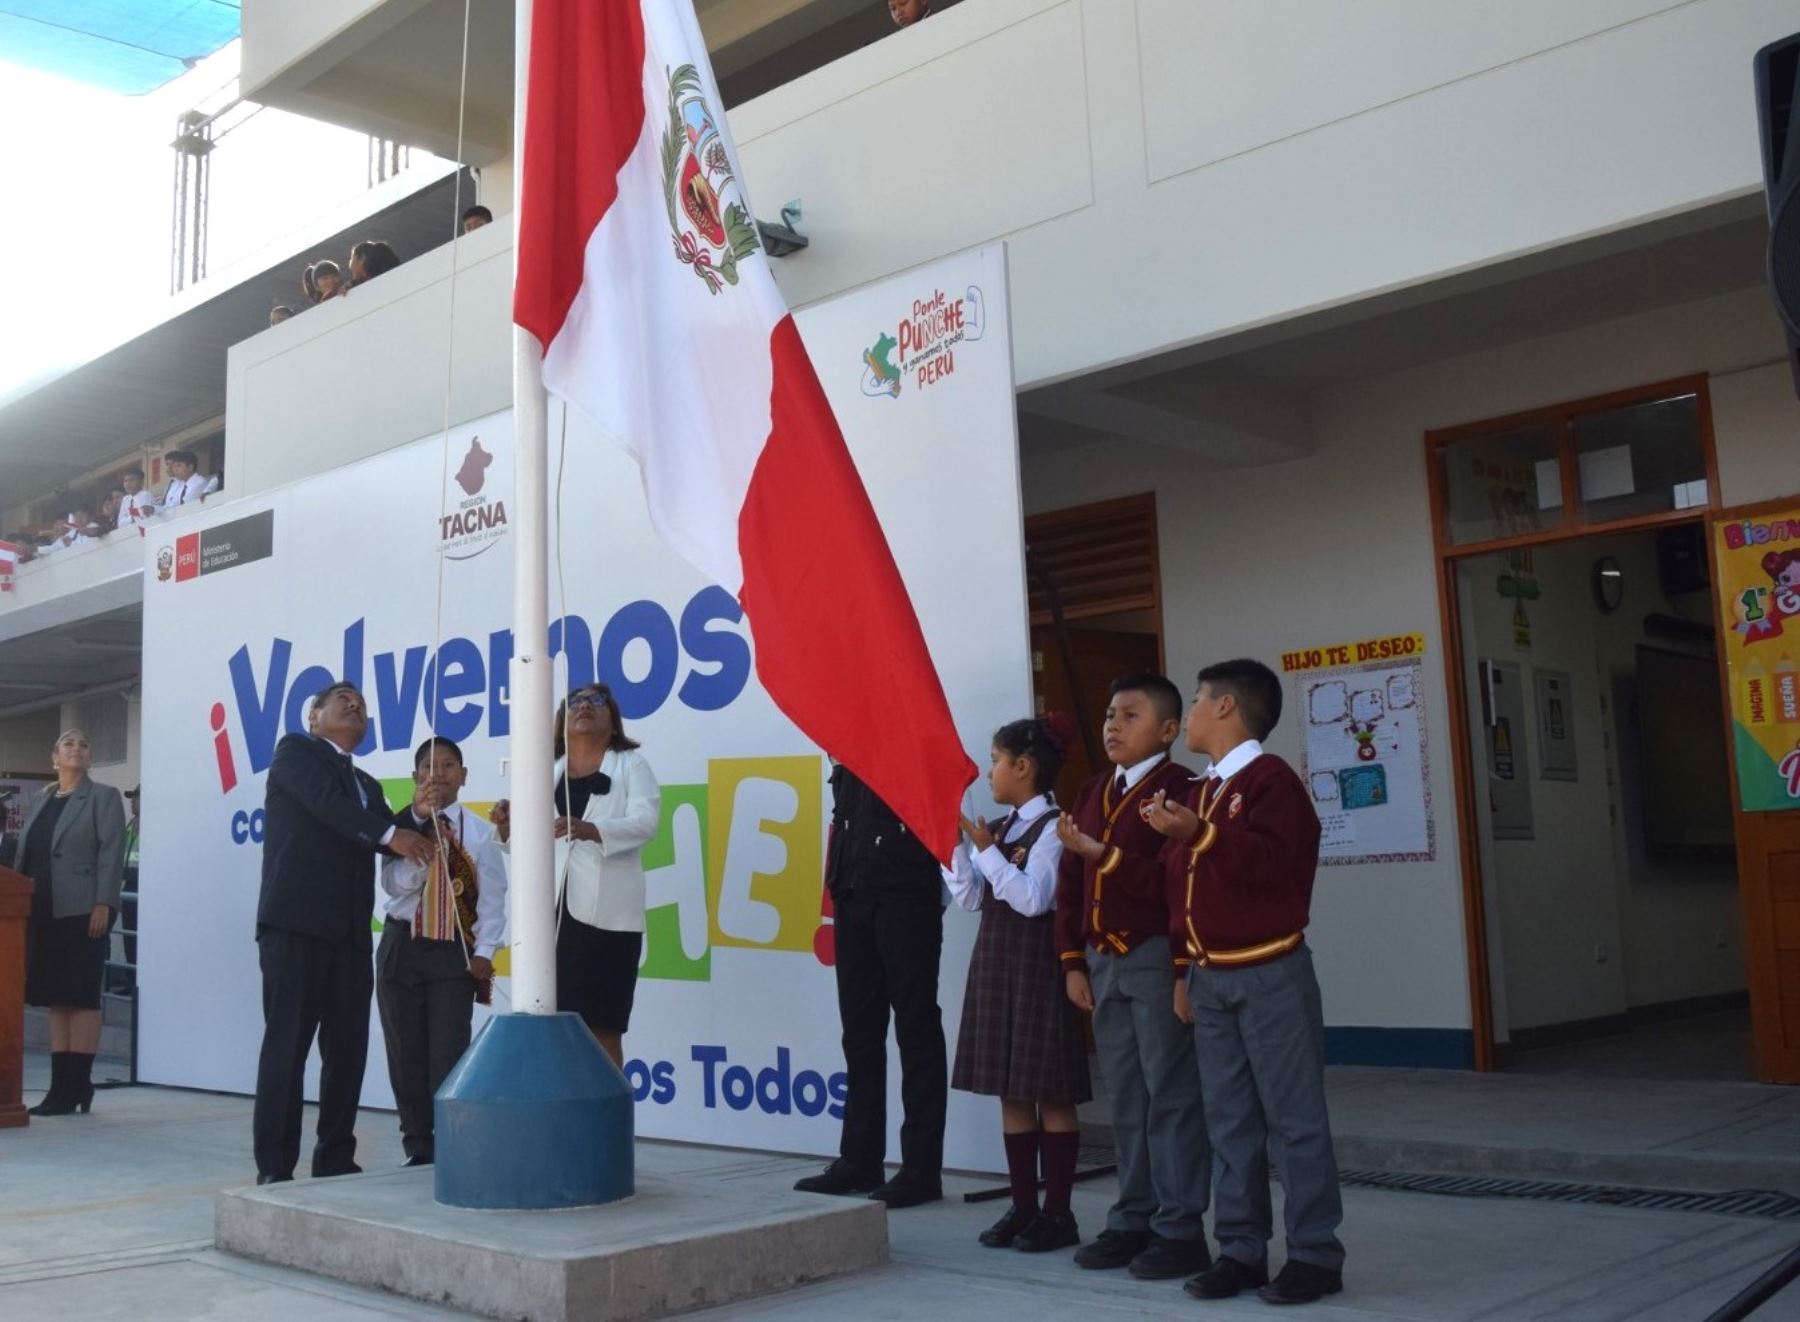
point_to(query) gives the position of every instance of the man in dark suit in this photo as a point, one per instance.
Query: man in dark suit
(325, 822)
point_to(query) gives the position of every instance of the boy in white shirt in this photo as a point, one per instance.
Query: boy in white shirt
(186, 486)
(442, 926)
(139, 506)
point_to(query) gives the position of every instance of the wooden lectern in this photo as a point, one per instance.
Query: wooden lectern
(15, 912)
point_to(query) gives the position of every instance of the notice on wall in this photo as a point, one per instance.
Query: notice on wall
(1364, 755)
(1759, 606)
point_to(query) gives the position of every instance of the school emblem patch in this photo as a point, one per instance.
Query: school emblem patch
(1019, 856)
(711, 225)
(1237, 806)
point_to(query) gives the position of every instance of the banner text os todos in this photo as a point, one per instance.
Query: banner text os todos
(734, 1035)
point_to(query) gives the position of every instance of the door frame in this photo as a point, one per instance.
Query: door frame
(1573, 527)
(1776, 1062)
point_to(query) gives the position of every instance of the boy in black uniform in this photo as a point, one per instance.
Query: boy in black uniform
(887, 898)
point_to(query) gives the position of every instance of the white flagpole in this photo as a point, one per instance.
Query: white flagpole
(532, 889)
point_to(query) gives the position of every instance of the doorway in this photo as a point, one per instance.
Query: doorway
(1096, 613)
(1603, 812)
(1602, 899)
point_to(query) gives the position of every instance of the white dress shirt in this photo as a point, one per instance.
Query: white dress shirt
(362, 795)
(184, 491)
(1235, 761)
(403, 881)
(137, 507)
(1031, 890)
(1136, 772)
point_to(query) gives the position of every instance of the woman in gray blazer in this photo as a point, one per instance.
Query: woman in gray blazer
(73, 846)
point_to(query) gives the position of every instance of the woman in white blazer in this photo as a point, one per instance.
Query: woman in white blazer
(608, 806)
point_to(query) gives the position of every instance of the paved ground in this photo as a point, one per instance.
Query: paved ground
(110, 1216)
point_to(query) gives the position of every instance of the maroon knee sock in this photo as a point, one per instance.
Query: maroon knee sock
(1021, 1166)
(1060, 1151)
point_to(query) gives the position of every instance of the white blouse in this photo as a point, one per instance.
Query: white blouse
(1031, 890)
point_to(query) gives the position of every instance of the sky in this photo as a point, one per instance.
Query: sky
(87, 226)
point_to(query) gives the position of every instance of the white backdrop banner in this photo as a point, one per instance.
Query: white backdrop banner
(251, 608)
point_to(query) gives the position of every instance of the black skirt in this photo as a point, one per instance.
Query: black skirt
(1021, 1035)
(63, 964)
(596, 973)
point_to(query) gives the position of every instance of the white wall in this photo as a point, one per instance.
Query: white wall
(1338, 545)
(278, 34)
(1174, 170)
(359, 375)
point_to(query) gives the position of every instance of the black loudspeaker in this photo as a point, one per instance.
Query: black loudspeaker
(1777, 75)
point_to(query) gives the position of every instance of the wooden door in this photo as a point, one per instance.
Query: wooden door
(1768, 842)
(1768, 847)
(1100, 656)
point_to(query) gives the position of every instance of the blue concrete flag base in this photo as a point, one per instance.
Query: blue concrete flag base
(535, 1115)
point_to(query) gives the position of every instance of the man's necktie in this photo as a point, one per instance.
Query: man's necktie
(1119, 786)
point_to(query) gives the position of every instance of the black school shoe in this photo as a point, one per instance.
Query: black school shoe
(1226, 1278)
(1301, 1283)
(1114, 1248)
(1003, 1232)
(1049, 1232)
(1165, 1259)
(908, 1190)
(839, 1178)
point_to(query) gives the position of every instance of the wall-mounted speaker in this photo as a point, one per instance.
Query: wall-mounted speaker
(1777, 76)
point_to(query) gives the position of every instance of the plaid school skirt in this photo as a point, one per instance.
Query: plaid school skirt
(1021, 1035)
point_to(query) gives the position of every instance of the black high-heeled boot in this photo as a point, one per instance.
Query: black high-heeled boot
(81, 1081)
(56, 1100)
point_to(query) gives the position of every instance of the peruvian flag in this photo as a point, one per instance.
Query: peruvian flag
(9, 561)
(641, 274)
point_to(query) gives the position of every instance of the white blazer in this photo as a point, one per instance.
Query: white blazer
(605, 882)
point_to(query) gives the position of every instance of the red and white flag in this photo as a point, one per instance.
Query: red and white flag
(641, 274)
(9, 561)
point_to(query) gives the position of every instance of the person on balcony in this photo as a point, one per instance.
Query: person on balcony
(321, 280)
(139, 506)
(369, 259)
(907, 12)
(475, 217)
(186, 485)
(72, 845)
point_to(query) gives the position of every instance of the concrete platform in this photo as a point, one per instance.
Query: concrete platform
(678, 1244)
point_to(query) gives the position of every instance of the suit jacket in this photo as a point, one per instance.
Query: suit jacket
(320, 840)
(870, 849)
(604, 884)
(87, 865)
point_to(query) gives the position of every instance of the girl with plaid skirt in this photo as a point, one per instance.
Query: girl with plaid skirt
(1021, 1036)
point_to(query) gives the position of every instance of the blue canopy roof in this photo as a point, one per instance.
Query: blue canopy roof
(128, 46)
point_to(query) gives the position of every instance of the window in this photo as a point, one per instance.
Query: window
(1636, 458)
(1502, 485)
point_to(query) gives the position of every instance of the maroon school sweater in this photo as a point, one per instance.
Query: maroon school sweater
(1245, 880)
(1122, 901)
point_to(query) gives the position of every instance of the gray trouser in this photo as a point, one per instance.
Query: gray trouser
(1147, 1065)
(1259, 1034)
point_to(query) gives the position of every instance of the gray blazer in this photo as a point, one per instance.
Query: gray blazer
(87, 864)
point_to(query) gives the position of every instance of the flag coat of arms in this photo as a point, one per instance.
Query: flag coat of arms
(641, 274)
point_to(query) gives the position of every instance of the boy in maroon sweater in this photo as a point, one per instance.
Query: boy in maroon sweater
(1241, 858)
(1112, 931)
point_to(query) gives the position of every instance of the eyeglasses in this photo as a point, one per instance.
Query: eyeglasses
(589, 698)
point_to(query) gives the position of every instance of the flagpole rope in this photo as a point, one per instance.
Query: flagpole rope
(437, 627)
(562, 613)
